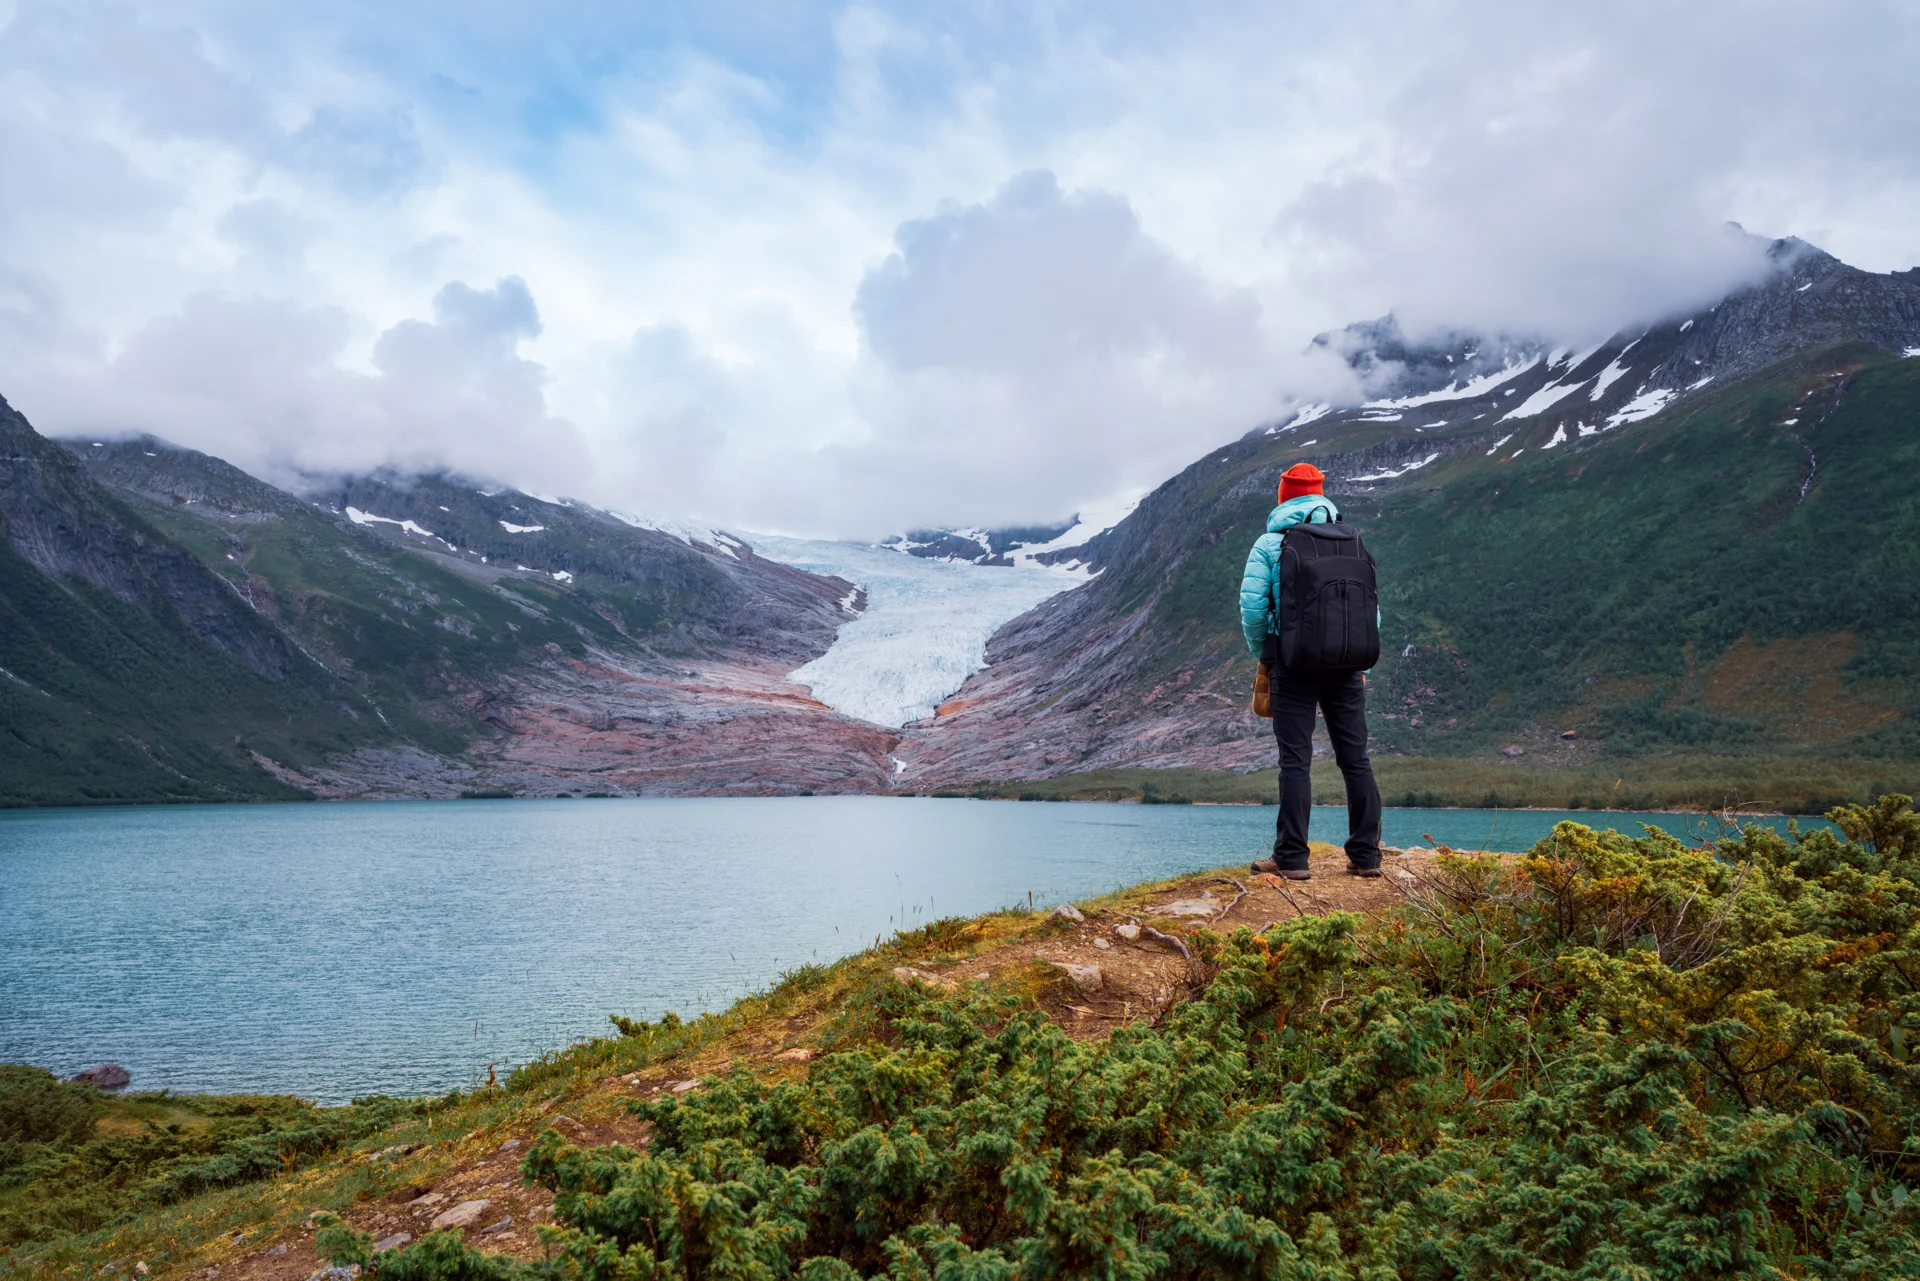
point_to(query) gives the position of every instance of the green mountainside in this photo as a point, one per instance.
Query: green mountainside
(1678, 545)
(128, 671)
(1668, 589)
(175, 629)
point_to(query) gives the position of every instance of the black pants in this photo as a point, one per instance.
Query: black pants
(1342, 699)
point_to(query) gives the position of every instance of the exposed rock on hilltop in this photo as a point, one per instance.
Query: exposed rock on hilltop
(67, 528)
(979, 546)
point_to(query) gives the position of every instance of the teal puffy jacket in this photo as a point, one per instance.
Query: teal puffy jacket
(1260, 585)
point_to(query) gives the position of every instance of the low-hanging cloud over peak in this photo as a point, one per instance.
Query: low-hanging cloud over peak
(847, 268)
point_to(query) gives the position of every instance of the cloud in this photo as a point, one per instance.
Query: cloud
(365, 151)
(1040, 347)
(846, 267)
(261, 383)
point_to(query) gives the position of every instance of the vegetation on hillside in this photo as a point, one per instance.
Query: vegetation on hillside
(1678, 586)
(1695, 783)
(73, 1160)
(1614, 1056)
(1703, 590)
(104, 703)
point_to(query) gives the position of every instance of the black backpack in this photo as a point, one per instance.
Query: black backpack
(1329, 601)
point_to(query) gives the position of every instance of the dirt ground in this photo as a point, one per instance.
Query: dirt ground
(1135, 949)
(1127, 965)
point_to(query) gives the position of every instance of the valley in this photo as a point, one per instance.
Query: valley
(1685, 542)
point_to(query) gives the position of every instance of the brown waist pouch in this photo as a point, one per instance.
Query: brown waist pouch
(1262, 693)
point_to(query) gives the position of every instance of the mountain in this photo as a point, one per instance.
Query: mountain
(1696, 536)
(128, 669)
(390, 636)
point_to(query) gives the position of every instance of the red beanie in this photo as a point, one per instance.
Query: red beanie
(1300, 479)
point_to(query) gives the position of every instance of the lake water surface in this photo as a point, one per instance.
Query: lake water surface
(399, 947)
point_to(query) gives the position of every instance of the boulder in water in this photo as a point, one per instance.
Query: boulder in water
(106, 1077)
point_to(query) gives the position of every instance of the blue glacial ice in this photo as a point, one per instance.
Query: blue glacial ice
(924, 630)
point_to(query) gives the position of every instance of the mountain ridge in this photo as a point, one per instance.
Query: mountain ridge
(1143, 666)
(429, 635)
(523, 646)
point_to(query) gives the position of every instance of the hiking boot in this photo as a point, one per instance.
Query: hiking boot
(1272, 868)
(1372, 873)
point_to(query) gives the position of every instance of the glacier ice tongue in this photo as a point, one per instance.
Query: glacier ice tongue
(925, 628)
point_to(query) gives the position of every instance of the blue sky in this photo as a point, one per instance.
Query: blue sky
(848, 268)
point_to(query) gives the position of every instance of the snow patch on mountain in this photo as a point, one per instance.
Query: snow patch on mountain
(1389, 475)
(1544, 399)
(1087, 524)
(1580, 358)
(1612, 373)
(686, 531)
(1307, 414)
(925, 628)
(1645, 405)
(1460, 391)
(359, 517)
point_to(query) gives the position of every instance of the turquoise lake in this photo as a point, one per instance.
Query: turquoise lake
(399, 947)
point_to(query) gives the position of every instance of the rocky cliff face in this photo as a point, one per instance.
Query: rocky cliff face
(1144, 665)
(58, 521)
(129, 670)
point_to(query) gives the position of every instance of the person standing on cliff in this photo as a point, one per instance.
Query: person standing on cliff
(1309, 606)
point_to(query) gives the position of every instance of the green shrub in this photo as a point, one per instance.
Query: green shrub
(38, 1107)
(1616, 1057)
(78, 1182)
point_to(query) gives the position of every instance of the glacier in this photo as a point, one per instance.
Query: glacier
(925, 628)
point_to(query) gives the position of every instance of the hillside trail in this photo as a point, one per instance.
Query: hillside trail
(1120, 962)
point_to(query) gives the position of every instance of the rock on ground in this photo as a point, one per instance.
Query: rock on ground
(463, 1215)
(1085, 977)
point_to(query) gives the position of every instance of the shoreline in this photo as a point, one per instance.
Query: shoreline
(943, 795)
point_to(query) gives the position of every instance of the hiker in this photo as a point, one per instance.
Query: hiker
(1309, 607)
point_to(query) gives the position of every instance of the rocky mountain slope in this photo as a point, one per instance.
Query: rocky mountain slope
(393, 636)
(127, 668)
(1696, 535)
